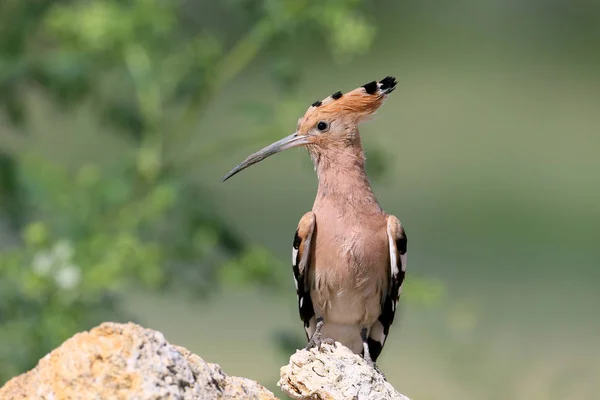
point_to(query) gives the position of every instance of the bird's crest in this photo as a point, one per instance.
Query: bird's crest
(357, 104)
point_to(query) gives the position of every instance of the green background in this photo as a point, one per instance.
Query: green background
(488, 152)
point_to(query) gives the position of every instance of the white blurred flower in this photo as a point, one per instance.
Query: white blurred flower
(42, 263)
(68, 276)
(63, 250)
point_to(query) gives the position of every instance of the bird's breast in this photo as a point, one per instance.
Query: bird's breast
(349, 272)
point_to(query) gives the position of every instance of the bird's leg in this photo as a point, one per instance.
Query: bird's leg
(316, 340)
(364, 335)
(366, 354)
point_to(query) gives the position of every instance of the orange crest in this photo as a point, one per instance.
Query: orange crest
(355, 105)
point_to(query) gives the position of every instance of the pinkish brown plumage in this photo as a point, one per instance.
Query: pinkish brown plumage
(349, 256)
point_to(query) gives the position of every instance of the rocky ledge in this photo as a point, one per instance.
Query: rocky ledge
(127, 361)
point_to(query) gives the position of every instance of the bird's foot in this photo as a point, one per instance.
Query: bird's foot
(318, 340)
(329, 341)
(380, 372)
(372, 364)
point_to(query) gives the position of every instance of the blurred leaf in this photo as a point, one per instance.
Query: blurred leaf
(14, 107)
(35, 234)
(286, 73)
(124, 116)
(66, 76)
(10, 191)
(426, 292)
(254, 266)
(350, 34)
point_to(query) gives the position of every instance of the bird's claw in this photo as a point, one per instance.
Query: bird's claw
(376, 368)
(372, 364)
(317, 341)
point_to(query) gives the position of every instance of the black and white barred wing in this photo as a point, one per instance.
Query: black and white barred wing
(301, 265)
(397, 246)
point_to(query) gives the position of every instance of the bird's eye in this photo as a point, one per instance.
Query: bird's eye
(322, 126)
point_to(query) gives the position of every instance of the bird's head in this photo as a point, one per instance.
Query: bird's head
(329, 124)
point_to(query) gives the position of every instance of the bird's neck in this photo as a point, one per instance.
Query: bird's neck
(343, 181)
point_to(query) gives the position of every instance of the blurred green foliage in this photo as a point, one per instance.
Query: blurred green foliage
(88, 234)
(149, 71)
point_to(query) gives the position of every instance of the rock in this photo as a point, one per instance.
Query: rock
(127, 361)
(332, 373)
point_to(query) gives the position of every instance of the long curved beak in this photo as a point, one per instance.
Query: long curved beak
(293, 140)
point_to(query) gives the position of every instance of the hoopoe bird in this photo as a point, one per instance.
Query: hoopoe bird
(349, 256)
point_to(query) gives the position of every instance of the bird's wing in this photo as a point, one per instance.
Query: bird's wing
(301, 264)
(397, 246)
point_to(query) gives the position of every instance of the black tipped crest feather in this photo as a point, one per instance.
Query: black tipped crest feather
(371, 87)
(317, 103)
(388, 84)
(336, 95)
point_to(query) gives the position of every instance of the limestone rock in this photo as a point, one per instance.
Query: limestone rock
(126, 361)
(333, 373)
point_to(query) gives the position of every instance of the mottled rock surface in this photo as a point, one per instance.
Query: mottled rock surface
(333, 373)
(126, 361)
